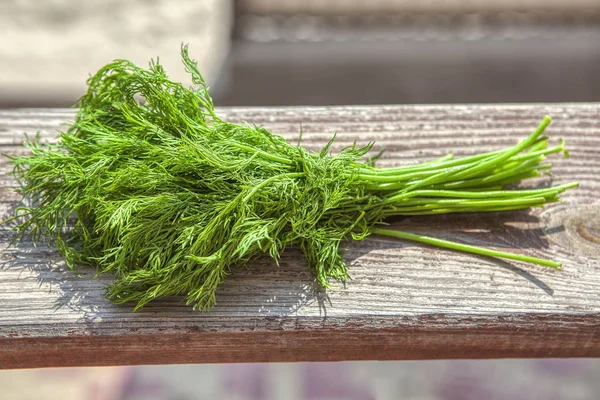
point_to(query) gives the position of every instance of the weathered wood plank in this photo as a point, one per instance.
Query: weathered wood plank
(405, 301)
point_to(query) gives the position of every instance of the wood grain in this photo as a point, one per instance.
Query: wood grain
(404, 301)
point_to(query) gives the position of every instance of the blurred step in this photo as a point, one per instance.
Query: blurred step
(413, 58)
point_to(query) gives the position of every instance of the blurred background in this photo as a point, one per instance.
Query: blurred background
(296, 52)
(312, 52)
(368, 380)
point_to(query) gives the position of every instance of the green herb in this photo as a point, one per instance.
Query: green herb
(151, 185)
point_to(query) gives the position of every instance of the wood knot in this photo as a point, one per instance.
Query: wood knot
(575, 228)
(589, 230)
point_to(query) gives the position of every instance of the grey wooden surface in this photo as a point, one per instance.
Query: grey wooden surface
(405, 301)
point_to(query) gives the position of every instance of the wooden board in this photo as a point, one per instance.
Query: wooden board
(405, 301)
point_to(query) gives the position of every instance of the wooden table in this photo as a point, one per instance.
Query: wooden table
(405, 301)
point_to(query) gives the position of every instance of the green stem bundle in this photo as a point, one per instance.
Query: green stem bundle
(167, 197)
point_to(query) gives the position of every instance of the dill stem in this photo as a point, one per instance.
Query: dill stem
(486, 164)
(470, 172)
(500, 177)
(470, 202)
(412, 180)
(465, 247)
(429, 166)
(538, 146)
(436, 211)
(503, 178)
(269, 180)
(262, 154)
(483, 194)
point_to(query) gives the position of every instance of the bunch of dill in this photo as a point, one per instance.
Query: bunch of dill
(150, 185)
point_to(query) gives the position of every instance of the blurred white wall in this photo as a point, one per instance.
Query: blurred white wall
(48, 48)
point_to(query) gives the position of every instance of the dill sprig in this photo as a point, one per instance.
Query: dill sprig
(151, 185)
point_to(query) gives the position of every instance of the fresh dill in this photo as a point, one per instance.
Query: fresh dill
(151, 185)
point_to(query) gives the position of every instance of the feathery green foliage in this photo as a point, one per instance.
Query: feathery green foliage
(152, 186)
